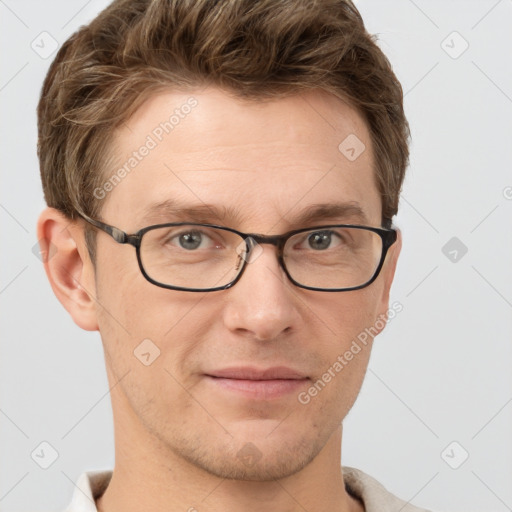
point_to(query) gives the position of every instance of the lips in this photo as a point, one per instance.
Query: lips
(251, 373)
(256, 383)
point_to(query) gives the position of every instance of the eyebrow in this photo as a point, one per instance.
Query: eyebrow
(330, 211)
(202, 213)
(172, 211)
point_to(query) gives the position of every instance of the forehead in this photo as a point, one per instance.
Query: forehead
(266, 160)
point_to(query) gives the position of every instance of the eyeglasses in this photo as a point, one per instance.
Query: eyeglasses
(206, 257)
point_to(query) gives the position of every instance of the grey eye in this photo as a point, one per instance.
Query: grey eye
(191, 240)
(320, 240)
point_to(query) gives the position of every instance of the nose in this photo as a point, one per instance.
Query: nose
(262, 304)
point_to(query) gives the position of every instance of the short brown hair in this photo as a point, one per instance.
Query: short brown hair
(256, 49)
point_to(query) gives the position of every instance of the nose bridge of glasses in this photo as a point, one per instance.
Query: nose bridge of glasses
(253, 249)
(255, 239)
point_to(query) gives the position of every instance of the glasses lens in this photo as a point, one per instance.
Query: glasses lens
(192, 256)
(334, 257)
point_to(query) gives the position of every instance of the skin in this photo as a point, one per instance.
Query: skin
(177, 435)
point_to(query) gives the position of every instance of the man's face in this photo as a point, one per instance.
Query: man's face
(268, 162)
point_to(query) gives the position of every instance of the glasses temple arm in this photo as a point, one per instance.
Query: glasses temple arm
(117, 234)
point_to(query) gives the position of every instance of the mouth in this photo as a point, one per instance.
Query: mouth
(258, 384)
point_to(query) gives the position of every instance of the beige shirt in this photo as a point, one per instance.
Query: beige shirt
(91, 485)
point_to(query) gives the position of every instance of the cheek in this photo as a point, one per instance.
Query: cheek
(126, 311)
(348, 314)
(127, 301)
(146, 350)
(344, 347)
(146, 329)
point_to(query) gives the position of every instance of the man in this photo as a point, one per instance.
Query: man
(252, 153)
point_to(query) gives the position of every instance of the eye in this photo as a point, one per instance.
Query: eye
(191, 240)
(321, 240)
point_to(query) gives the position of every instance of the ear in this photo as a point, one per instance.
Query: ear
(68, 266)
(388, 273)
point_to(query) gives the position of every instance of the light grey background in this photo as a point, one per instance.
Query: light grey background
(441, 372)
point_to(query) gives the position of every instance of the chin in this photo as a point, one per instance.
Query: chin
(252, 464)
(257, 457)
